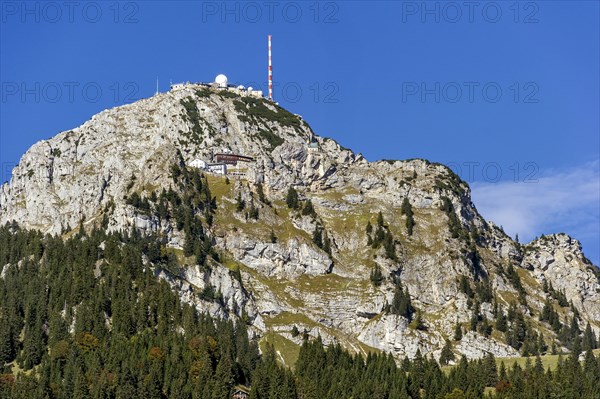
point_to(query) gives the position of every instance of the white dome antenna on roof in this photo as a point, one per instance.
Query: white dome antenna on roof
(221, 80)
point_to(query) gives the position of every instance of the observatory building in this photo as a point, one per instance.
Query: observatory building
(221, 80)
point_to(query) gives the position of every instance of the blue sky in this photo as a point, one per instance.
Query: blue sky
(506, 93)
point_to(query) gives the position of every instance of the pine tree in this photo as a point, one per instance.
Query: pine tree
(590, 366)
(223, 377)
(401, 304)
(318, 236)
(326, 243)
(376, 276)
(291, 199)
(541, 345)
(261, 194)
(81, 390)
(446, 355)
(547, 311)
(379, 236)
(501, 324)
(253, 213)
(465, 286)
(484, 327)
(490, 369)
(7, 345)
(407, 211)
(369, 228)
(33, 343)
(576, 350)
(309, 209)
(458, 332)
(589, 339)
(295, 331)
(390, 247)
(474, 320)
(240, 203)
(380, 221)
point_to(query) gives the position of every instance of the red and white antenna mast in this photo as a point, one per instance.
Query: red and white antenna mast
(270, 72)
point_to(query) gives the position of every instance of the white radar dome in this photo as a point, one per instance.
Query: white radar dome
(221, 80)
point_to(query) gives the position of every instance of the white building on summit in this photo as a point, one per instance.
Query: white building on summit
(221, 80)
(198, 163)
(221, 83)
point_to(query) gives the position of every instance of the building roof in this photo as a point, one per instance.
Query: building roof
(232, 155)
(241, 388)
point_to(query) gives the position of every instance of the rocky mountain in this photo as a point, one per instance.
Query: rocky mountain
(387, 255)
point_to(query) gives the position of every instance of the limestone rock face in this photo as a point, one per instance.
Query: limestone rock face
(287, 260)
(274, 272)
(392, 334)
(474, 346)
(558, 259)
(235, 299)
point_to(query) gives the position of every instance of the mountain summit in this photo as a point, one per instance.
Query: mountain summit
(296, 235)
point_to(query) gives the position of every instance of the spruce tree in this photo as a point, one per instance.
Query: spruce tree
(317, 236)
(589, 339)
(291, 199)
(458, 332)
(490, 370)
(326, 243)
(376, 276)
(309, 209)
(261, 194)
(380, 221)
(401, 304)
(224, 377)
(407, 211)
(240, 203)
(576, 350)
(501, 324)
(253, 213)
(446, 355)
(7, 345)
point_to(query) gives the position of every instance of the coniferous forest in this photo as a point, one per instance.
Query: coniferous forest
(85, 316)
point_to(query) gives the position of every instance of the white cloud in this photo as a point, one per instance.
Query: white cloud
(560, 201)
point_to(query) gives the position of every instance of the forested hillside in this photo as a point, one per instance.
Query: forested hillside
(86, 317)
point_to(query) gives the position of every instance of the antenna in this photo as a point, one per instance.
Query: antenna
(157, 85)
(270, 72)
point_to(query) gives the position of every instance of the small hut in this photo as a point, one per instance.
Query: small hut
(240, 392)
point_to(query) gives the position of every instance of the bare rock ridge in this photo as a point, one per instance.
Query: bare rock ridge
(321, 271)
